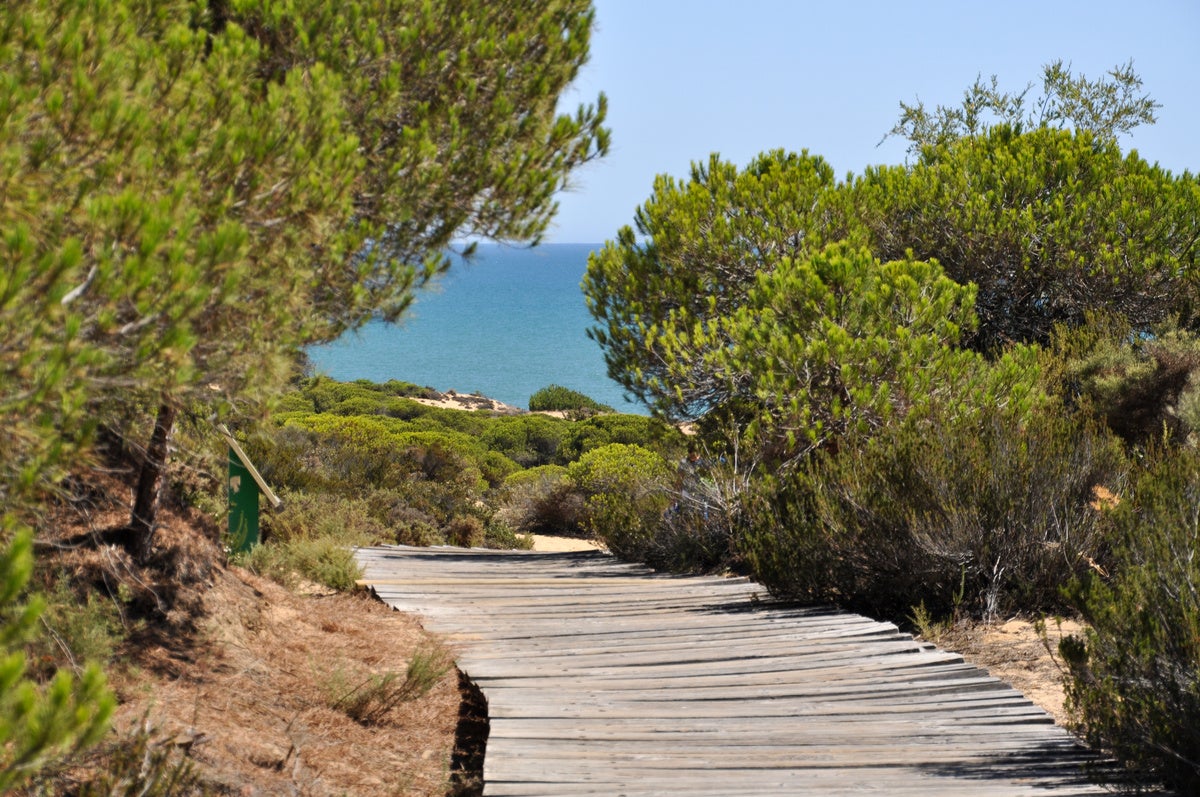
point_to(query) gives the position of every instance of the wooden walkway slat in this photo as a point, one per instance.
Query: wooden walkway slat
(603, 678)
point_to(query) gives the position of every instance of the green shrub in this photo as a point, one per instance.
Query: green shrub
(1135, 677)
(309, 517)
(601, 430)
(394, 387)
(411, 473)
(541, 500)
(1005, 509)
(40, 724)
(697, 532)
(556, 398)
(312, 537)
(321, 394)
(528, 440)
(535, 475)
(1145, 387)
(323, 560)
(437, 419)
(626, 490)
(358, 405)
(495, 467)
(977, 514)
(407, 524)
(289, 459)
(499, 535)
(436, 472)
(419, 533)
(465, 531)
(293, 402)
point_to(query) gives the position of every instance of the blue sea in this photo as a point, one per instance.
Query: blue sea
(506, 323)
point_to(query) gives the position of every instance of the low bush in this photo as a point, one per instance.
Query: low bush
(1144, 387)
(977, 515)
(323, 560)
(79, 629)
(41, 724)
(307, 516)
(556, 398)
(322, 394)
(495, 467)
(1135, 677)
(312, 537)
(139, 764)
(698, 531)
(399, 471)
(541, 500)
(407, 524)
(499, 535)
(626, 490)
(434, 473)
(465, 531)
(528, 440)
(602, 430)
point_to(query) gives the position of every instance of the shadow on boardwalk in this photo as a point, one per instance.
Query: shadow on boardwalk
(603, 678)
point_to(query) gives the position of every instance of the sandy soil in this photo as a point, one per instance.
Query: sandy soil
(452, 400)
(259, 685)
(554, 544)
(261, 697)
(1017, 654)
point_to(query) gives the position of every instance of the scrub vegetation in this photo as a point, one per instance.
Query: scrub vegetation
(191, 192)
(960, 387)
(360, 463)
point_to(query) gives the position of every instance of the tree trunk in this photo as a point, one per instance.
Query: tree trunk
(145, 502)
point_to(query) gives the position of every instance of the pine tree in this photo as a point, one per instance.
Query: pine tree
(698, 245)
(193, 191)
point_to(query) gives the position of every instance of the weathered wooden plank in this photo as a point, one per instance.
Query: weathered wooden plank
(604, 678)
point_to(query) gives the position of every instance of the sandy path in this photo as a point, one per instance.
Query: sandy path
(550, 544)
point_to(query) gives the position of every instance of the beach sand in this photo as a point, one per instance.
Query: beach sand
(450, 400)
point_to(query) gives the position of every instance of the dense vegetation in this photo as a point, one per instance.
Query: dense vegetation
(951, 386)
(960, 383)
(360, 463)
(556, 398)
(191, 191)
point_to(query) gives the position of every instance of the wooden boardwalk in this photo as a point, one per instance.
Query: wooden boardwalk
(604, 678)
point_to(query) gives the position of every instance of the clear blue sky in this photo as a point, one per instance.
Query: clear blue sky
(685, 78)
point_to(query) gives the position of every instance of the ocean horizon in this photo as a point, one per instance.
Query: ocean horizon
(504, 324)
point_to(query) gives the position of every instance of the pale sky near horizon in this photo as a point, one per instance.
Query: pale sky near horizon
(686, 78)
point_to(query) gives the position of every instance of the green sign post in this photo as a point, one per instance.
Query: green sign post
(244, 487)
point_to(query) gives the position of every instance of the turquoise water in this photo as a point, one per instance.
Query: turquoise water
(507, 323)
